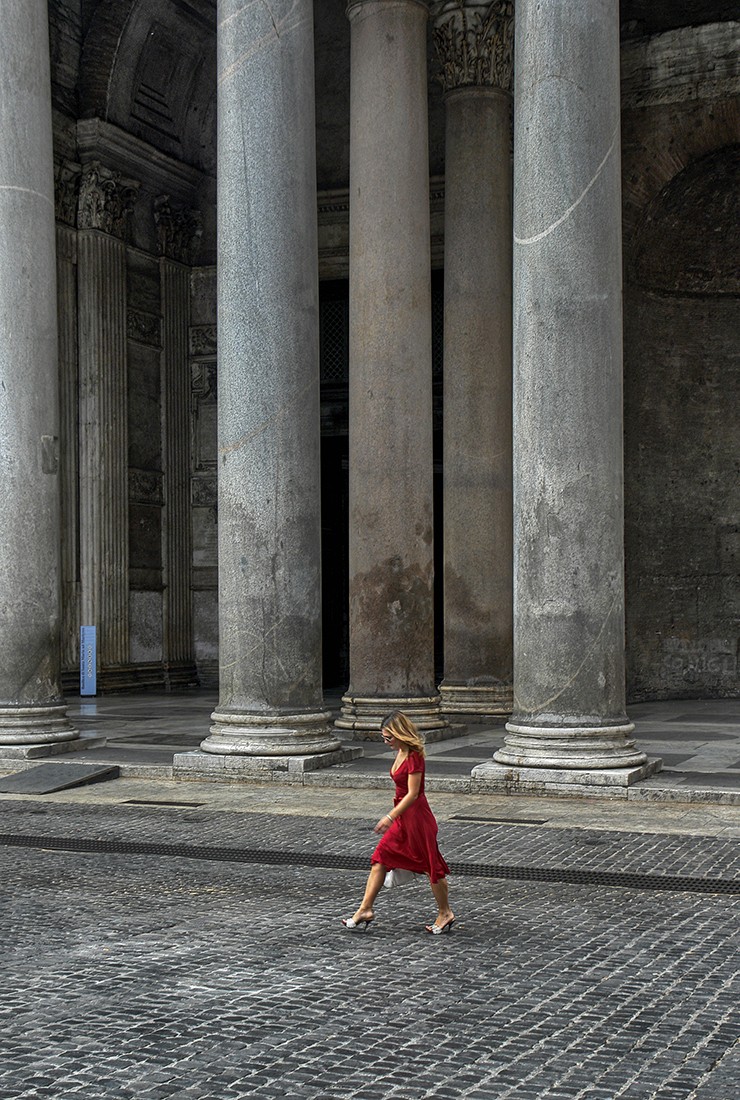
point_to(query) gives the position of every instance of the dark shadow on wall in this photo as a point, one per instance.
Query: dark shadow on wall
(682, 460)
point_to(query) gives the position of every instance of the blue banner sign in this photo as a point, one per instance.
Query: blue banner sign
(88, 661)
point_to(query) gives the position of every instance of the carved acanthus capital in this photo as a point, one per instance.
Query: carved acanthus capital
(474, 43)
(179, 230)
(106, 200)
(66, 191)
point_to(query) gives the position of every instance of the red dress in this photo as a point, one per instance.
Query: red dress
(411, 841)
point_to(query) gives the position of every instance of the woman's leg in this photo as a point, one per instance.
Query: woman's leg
(441, 896)
(372, 889)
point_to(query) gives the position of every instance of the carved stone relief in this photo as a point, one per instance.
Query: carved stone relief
(202, 341)
(474, 43)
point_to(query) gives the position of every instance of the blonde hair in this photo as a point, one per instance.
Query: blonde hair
(404, 730)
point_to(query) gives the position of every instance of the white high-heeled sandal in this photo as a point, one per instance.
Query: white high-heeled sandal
(438, 929)
(357, 925)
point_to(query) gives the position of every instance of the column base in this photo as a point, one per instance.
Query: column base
(476, 700)
(220, 768)
(492, 778)
(243, 734)
(35, 725)
(364, 715)
(570, 747)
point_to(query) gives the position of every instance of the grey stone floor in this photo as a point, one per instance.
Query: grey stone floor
(130, 975)
(698, 741)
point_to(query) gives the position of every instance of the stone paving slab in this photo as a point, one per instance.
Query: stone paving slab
(134, 977)
(145, 731)
(48, 778)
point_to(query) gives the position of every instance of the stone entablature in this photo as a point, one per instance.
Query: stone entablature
(474, 43)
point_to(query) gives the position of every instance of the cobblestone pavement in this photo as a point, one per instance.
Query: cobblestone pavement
(145, 977)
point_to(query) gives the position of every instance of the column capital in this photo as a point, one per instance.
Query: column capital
(179, 230)
(474, 43)
(106, 200)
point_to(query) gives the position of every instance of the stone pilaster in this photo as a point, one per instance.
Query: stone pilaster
(270, 695)
(105, 202)
(569, 692)
(66, 181)
(32, 711)
(390, 389)
(178, 236)
(474, 44)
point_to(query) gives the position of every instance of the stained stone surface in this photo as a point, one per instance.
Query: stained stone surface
(390, 388)
(268, 386)
(569, 529)
(30, 699)
(478, 568)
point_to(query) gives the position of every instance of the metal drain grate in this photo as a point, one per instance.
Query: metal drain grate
(628, 880)
(158, 802)
(501, 820)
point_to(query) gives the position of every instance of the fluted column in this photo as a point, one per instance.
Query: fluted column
(390, 388)
(474, 44)
(178, 231)
(66, 178)
(270, 689)
(569, 691)
(32, 711)
(105, 203)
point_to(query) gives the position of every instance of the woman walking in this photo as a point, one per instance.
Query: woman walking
(409, 830)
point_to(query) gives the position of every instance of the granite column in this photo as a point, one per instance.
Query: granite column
(569, 677)
(390, 388)
(270, 697)
(32, 711)
(474, 45)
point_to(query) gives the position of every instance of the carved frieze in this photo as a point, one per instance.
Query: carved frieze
(474, 43)
(179, 230)
(203, 340)
(146, 328)
(106, 200)
(66, 191)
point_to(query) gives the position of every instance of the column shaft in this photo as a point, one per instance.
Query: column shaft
(477, 404)
(31, 707)
(390, 389)
(270, 700)
(569, 705)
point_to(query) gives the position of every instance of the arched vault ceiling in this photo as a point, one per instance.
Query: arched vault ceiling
(149, 67)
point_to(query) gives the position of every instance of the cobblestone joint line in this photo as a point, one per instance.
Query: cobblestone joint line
(629, 880)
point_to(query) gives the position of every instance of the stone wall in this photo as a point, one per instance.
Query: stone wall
(682, 374)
